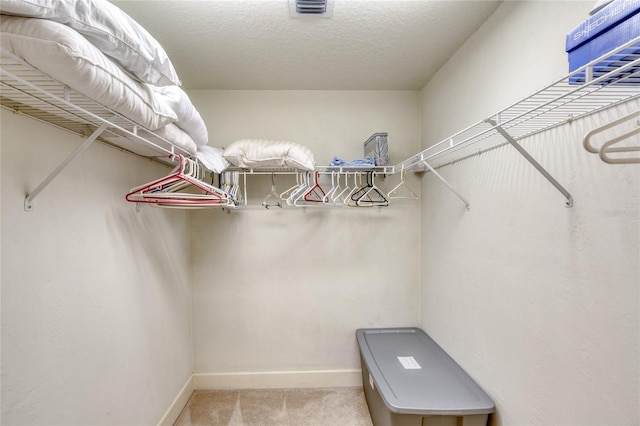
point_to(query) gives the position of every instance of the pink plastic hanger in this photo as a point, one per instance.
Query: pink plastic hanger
(169, 190)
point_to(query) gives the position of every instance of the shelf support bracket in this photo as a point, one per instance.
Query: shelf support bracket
(28, 206)
(436, 174)
(530, 159)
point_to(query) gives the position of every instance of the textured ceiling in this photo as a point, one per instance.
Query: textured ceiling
(366, 45)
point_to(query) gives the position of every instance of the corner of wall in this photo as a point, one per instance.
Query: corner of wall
(178, 404)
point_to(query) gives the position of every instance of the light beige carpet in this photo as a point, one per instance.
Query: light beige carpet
(277, 407)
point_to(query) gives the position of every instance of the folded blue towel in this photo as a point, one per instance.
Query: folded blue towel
(366, 161)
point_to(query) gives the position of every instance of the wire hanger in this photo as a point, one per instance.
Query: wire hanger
(272, 199)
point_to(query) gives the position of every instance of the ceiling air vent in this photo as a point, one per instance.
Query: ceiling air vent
(310, 8)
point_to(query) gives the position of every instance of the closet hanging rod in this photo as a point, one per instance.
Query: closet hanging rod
(325, 170)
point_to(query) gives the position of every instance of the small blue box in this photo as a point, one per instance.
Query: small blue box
(611, 27)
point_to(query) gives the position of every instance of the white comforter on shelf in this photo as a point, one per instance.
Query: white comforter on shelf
(188, 118)
(111, 30)
(65, 55)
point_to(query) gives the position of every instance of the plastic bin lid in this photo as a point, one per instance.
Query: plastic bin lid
(596, 24)
(416, 376)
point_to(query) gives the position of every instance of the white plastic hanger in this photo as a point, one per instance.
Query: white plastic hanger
(608, 147)
(327, 196)
(298, 193)
(286, 194)
(340, 199)
(357, 186)
(402, 190)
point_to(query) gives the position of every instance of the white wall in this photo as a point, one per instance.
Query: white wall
(95, 296)
(285, 290)
(538, 302)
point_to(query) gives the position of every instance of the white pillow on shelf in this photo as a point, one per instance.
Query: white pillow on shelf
(211, 157)
(261, 153)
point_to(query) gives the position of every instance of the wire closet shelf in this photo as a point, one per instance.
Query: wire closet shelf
(26, 90)
(605, 82)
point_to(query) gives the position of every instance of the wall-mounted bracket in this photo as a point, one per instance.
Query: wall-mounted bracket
(436, 174)
(28, 206)
(530, 159)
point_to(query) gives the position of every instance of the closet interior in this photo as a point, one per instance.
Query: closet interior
(265, 272)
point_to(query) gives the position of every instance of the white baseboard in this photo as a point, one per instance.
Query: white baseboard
(259, 380)
(278, 379)
(174, 410)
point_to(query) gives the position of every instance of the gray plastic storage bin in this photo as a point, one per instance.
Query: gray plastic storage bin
(377, 147)
(411, 381)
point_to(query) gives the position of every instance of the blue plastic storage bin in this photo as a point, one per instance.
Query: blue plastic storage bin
(612, 26)
(608, 29)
